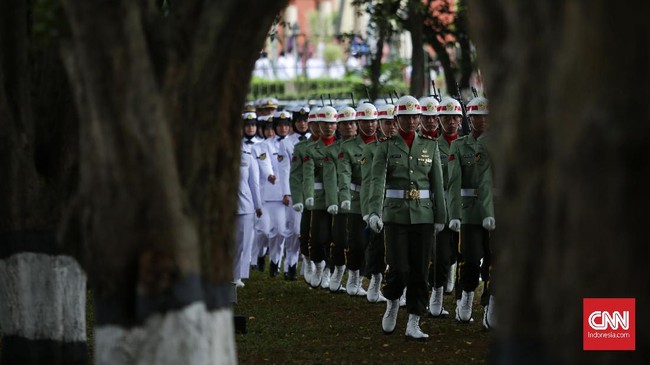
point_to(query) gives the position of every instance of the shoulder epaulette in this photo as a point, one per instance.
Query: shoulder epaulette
(427, 137)
(383, 139)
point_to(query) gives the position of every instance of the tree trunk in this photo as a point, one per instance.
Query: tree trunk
(161, 96)
(465, 61)
(42, 289)
(570, 118)
(415, 26)
(375, 66)
(445, 62)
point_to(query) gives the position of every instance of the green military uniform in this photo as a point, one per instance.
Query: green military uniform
(470, 201)
(319, 182)
(375, 263)
(349, 181)
(410, 179)
(297, 196)
(340, 220)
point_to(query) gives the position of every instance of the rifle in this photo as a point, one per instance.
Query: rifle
(437, 96)
(321, 101)
(330, 96)
(465, 122)
(352, 97)
(368, 95)
(474, 92)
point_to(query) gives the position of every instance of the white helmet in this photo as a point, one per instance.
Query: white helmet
(407, 105)
(386, 111)
(346, 114)
(313, 115)
(366, 111)
(449, 106)
(327, 114)
(429, 105)
(478, 106)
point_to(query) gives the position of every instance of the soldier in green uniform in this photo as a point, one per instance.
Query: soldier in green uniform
(349, 181)
(471, 205)
(320, 191)
(375, 262)
(406, 171)
(297, 196)
(347, 130)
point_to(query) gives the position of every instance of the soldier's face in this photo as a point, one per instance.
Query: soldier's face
(388, 127)
(450, 123)
(430, 123)
(282, 129)
(315, 129)
(408, 123)
(347, 129)
(301, 125)
(327, 129)
(250, 130)
(368, 127)
(480, 123)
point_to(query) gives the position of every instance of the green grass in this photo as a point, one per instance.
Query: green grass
(289, 323)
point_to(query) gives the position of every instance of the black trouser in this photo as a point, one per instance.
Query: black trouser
(340, 239)
(474, 244)
(357, 242)
(321, 236)
(445, 248)
(305, 224)
(375, 252)
(407, 254)
(486, 270)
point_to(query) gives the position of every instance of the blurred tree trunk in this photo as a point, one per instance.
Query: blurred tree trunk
(571, 119)
(160, 92)
(414, 24)
(465, 61)
(42, 288)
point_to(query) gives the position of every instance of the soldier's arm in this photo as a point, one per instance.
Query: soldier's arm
(295, 175)
(378, 179)
(284, 168)
(307, 175)
(263, 160)
(254, 182)
(453, 167)
(366, 166)
(436, 179)
(344, 174)
(329, 178)
(486, 188)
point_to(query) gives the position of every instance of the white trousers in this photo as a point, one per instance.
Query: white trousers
(243, 244)
(291, 242)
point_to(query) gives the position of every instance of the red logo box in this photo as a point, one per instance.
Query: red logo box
(608, 324)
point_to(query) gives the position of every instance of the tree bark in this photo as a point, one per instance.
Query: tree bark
(570, 119)
(42, 288)
(415, 23)
(161, 96)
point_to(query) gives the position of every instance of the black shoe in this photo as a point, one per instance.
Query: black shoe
(261, 263)
(273, 269)
(292, 273)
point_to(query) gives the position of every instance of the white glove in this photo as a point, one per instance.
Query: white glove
(454, 225)
(345, 205)
(489, 223)
(298, 207)
(309, 203)
(365, 218)
(438, 227)
(375, 223)
(333, 209)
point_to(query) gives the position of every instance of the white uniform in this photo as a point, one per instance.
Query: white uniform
(248, 200)
(265, 169)
(292, 242)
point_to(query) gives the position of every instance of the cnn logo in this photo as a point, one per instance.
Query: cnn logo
(608, 324)
(602, 320)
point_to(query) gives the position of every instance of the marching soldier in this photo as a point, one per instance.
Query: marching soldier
(406, 172)
(347, 130)
(249, 204)
(430, 120)
(297, 195)
(471, 207)
(375, 262)
(349, 174)
(319, 189)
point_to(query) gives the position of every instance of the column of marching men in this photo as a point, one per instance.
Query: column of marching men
(391, 195)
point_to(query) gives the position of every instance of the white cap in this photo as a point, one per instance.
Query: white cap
(327, 114)
(449, 106)
(407, 105)
(429, 105)
(346, 114)
(478, 106)
(366, 111)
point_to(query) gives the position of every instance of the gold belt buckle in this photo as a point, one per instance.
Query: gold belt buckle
(413, 194)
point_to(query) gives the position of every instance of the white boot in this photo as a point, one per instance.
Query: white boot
(402, 299)
(413, 331)
(374, 293)
(337, 277)
(325, 282)
(464, 307)
(389, 321)
(489, 316)
(435, 302)
(451, 279)
(353, 282)
(317, 276)
(361, 292)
